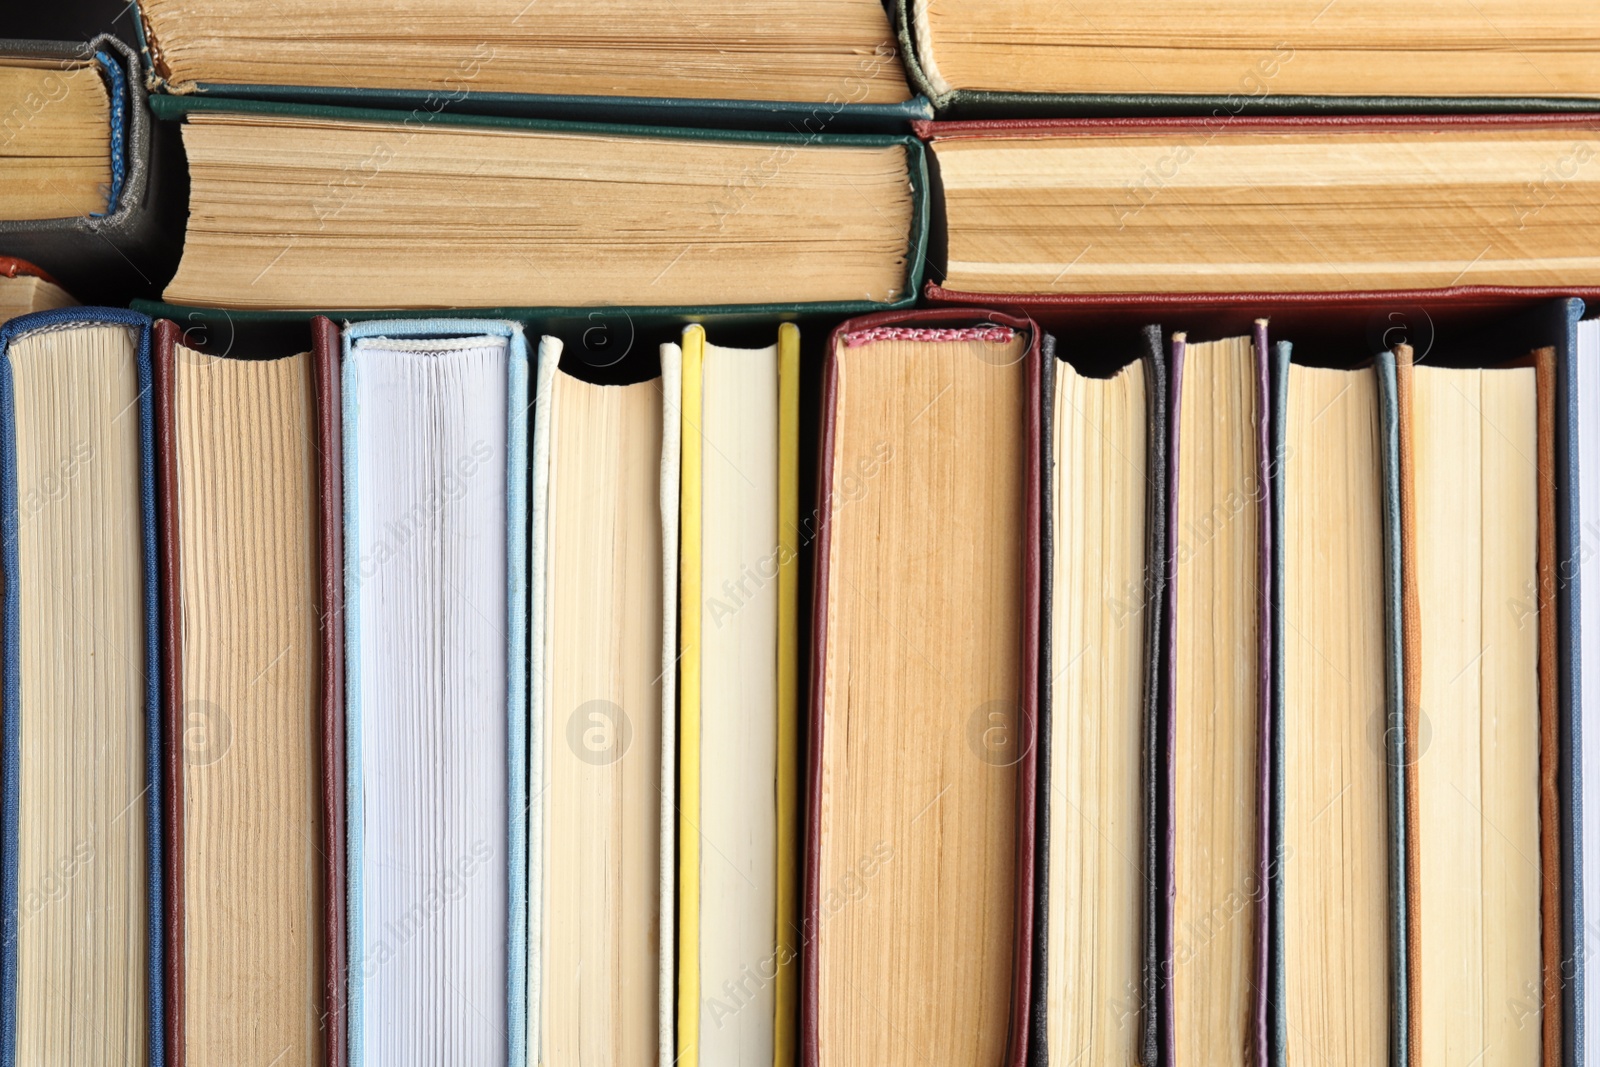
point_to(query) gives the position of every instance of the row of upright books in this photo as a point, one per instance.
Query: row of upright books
(296, 207)
(412, 700)
(666, 533)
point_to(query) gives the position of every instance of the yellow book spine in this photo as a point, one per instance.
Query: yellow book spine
(689, 578)
(787, 988)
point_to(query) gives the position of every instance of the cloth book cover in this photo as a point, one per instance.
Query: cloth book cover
(1560, 327)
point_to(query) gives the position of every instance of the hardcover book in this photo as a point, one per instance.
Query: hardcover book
(1218, 725)
(1095, 970)
(25, 287)
(807, 65)
(923, 745)
(1208, 211)
(81, 958)
(435, 445)
(523, 214)
(739, 858)
(90, 187)
(254, 685)
(603, 871)
(1483, 710)
(1338, 902)
(1015, 58)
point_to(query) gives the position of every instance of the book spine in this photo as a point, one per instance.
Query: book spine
(167, 337)
(1394, 713)
(1266, 733)
(330, 490)
(1277, 1051)
(1156, 605)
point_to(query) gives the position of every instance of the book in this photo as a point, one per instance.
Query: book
(1009, 59)
(739, 855)
(59, 155)
(1580, 576)
(1218, 729)
(924, 689)
(635, 216)
(1337, 874)
(80, 900)
(818, 65)
(251, 517)
(88, 181)
(435, 423)
(1104, 539)
(1095, 210)
(25, 288)
(1478, 519)
(602, 882)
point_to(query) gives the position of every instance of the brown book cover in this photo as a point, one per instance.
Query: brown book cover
(330, 835)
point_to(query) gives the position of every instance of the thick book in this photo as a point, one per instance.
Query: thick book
(254, 688)
(1095, 212)
(1004, 59)
(92, 187)
(601, 903)
(81, 967)
(26, 288)
(435, 475)
(1336, 879)
(507, 213)
(924, 693)
(806, 65)
(739, 857)
(1103, 538)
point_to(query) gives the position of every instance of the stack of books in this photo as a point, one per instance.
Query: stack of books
(668, 534)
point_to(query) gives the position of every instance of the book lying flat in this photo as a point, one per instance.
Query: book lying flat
(1104, 539)
(508, 213)
(435, 424)
(1218, 726)
(1092, 210)
(25, 288)
(1337, 872)
(739, 859)
(59, 157)
(815, 62)
(1482, 711)
(251, 528)
(1034, 57)
(86, 179)
(603, 647)
(80, 813)
(919, 894)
